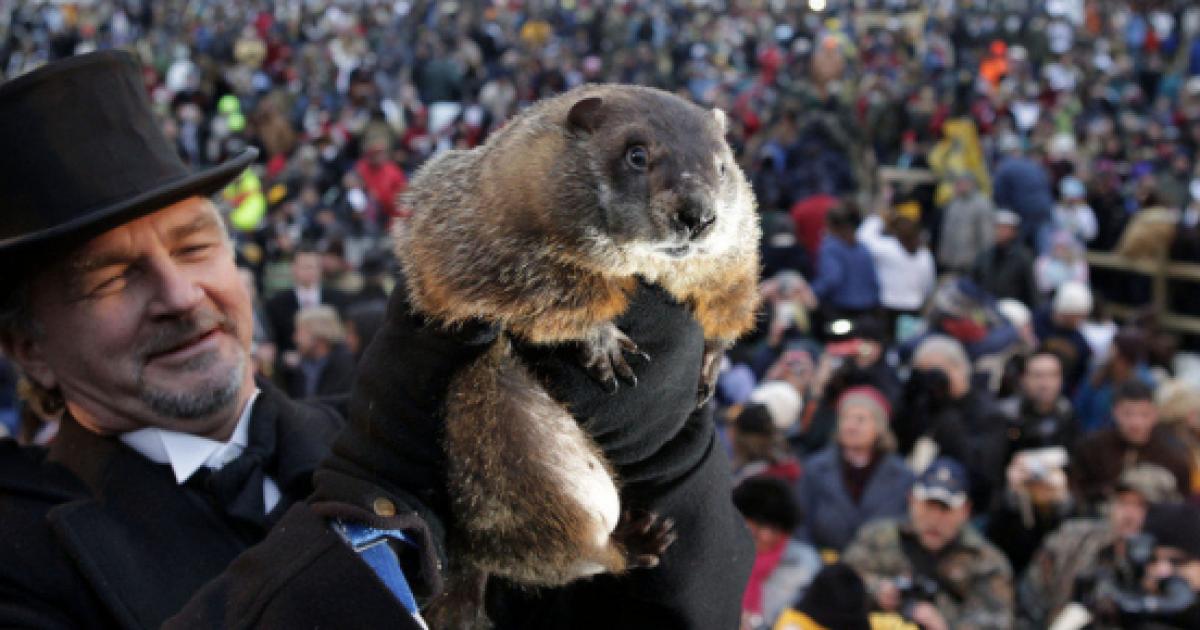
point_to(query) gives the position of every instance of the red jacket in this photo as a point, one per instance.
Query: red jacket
(383, 183)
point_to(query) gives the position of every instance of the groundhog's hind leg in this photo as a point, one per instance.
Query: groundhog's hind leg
(534, 500)
(642, 538)
(460, 606)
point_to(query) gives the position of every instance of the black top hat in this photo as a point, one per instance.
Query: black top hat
(82, 152)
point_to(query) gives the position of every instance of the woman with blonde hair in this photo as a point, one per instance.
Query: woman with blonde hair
(1179, 408)
(857, 478)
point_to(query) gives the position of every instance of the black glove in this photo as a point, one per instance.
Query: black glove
(665, 456)
(387, 467)
(634, 425)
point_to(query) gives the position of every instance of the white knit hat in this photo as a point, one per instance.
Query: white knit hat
(1073, 298)
(782, 401)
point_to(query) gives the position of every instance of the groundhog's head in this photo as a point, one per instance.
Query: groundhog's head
(661, 180)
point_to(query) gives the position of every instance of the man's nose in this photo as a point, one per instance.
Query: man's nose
(176, 290)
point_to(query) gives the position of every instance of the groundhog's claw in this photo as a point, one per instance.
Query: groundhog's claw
(710, 369)
(603, 356)
(644, 537)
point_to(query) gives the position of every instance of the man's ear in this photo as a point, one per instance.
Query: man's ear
(29, 355)
(586, 116)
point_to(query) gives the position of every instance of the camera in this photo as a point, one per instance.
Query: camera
(1115, 594)
(914, 590)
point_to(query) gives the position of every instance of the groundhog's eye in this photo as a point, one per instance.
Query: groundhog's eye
(637, 158)
(721, 170)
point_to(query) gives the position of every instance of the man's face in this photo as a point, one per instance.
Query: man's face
(148, 324)
(1135, 420)
(1127, 513)
(306, 269)
(937, 524)
(1042, 381)
(1170, 561)
(766, 537)
(304, 340)
(1004, 233)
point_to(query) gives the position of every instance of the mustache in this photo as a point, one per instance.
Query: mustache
(169, 334)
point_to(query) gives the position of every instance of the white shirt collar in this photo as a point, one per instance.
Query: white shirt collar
(310, 296)
(185, 452)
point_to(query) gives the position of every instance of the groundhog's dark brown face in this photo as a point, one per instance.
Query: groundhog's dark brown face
(665, 180)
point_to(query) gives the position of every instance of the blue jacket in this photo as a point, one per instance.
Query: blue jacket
(1022, 185)
(846, 276)
(831, 517)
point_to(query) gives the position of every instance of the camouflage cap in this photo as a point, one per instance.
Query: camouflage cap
(1153, 482)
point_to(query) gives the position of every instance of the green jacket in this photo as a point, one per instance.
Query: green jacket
(976, 591)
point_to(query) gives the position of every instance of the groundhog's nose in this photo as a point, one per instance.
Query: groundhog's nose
(697, 217)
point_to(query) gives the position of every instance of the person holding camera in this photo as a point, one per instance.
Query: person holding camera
(941, 413)
(933, 567)
(1063, 569)
(1171, 583)
(1040, 427)
(855, 355)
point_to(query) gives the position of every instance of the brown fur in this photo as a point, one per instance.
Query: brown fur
(517, 232)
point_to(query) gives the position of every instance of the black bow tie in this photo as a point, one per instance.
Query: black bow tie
(237, 487)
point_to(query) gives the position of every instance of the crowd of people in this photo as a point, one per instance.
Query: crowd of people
(938, 418)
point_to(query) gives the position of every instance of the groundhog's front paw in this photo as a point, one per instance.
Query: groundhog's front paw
(602, 354)
(644, 537)
(710, 369)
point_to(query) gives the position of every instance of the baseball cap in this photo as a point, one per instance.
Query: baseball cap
(944, 481)
(1153, 482)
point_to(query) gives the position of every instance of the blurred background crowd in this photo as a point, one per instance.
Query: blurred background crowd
(957, 412)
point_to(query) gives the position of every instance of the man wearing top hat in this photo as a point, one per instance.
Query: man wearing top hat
(181, 491)
(933, 567)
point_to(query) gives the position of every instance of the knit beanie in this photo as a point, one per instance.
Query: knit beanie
(837, 598)
(1175, 525)
(783, 401)
(869, 397)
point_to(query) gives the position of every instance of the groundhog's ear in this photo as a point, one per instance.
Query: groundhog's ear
(586, 115)
(722, 120)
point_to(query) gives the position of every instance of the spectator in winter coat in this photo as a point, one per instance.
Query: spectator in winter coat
(1099, 458)
(1058, 329)
(1005, 270)
(846, 282)
(1023, 186)
(967, 223)
(903, 263)
(383, 179)
(856, 479)
(783, 566)
(1073, 214)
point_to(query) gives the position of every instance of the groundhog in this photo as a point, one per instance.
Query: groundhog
(545, 230)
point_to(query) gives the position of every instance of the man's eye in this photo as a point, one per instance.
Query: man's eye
(108, 285)
(193, 250)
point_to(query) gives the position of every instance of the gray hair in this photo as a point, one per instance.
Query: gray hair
(17, 322)
(945, 347)
(323, 323)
